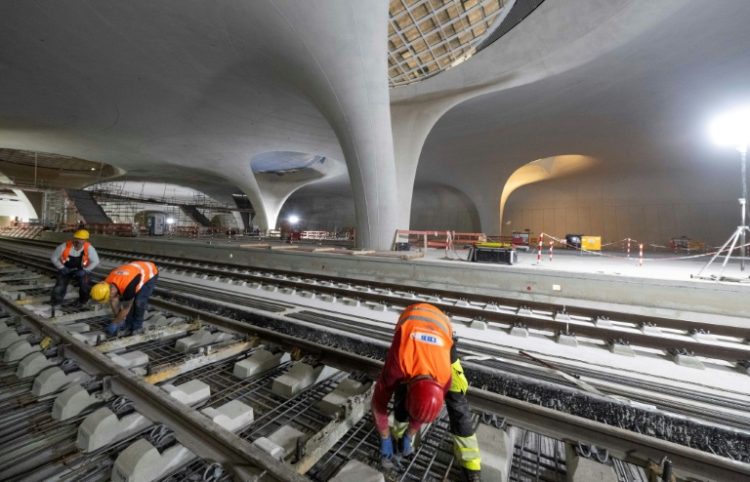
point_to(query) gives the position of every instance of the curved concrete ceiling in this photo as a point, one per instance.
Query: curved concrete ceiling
(190, 91)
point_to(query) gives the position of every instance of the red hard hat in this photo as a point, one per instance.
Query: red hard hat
(424, 400)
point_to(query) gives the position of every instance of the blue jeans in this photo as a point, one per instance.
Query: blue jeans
(134, 321)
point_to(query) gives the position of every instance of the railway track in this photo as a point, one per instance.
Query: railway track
(671, 336)
(163, 368)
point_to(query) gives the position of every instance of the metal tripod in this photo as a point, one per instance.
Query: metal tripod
(740, 234)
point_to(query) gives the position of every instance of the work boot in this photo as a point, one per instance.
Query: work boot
(472, 475)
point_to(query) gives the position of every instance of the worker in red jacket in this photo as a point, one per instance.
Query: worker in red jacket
(423, 371)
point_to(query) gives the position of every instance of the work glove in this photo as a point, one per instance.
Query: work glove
(386, 448)
(112, 329)
(407, 445)
(65, 271)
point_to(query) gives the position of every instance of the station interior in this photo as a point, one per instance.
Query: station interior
(563, 182)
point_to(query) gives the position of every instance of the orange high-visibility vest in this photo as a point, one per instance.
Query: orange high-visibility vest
(121, 277)
(426, 341)
(69, 246)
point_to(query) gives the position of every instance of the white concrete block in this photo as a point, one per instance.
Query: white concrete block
(333, 402)
(72, 401)
(233, 416)
(77, 327)
(201, 338)
(90, 338)
(9, 336)
(688, 361)
(260, 361)
(131, 359)
(286, 437)
(581, 469)
(189, 393)
(567, 340)
(651, 330)
(356, 471)
(519, 331)
(478, 325)
(53, 379)
(620, 349)
(102, 427)
(272, 449)
(32, 364)
(19, 349)
(141, 462)
(497, 448)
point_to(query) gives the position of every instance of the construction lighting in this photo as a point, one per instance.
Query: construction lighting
(732, 129)
(170, 220)
(293, 219)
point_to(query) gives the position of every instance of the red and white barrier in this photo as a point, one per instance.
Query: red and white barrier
(551, 244)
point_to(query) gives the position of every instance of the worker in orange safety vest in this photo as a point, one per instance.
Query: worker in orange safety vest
(127, 289)
(74, 259)
(422, 372)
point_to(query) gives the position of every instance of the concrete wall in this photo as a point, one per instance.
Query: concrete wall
(433, 207)
(652, 209)
(443, 207)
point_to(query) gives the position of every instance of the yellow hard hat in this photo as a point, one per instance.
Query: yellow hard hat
(81, 234)
(100, 292)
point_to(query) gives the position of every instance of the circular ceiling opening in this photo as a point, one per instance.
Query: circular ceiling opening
(426, 37)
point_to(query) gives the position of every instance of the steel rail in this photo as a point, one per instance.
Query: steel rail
(201, 436)
(606, 333)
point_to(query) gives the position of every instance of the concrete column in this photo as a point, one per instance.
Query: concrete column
(343, 69)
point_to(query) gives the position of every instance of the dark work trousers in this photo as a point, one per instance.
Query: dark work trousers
(61, 285)
(134, 321)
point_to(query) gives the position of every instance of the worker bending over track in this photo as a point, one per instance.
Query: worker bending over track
(127, 288)
(74, 259)
(422, 369)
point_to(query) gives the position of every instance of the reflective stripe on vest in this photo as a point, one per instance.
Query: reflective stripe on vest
(121, 277)
(426, 340)
(84, 252)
